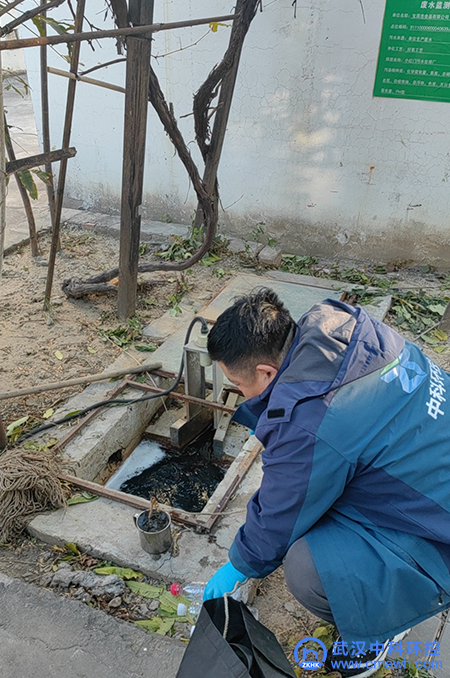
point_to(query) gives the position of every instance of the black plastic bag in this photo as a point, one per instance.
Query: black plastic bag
(249, 650)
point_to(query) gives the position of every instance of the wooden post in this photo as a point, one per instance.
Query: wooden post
(2, 177)
(46, 123)
(135, 129)
(65, 144)
(35, 251)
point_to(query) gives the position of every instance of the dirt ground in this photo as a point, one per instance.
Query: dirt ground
(65, 341)
(30, 336)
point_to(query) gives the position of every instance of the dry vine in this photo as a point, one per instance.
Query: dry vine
(245, 12)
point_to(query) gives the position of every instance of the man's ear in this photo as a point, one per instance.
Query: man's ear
(267, 371)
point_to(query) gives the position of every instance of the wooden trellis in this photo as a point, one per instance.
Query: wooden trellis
(135, 27)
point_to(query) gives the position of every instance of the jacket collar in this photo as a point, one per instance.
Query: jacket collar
(362, 347)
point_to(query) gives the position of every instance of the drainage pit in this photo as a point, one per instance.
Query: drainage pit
(184, 479)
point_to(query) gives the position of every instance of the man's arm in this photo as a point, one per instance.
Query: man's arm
(303, 477)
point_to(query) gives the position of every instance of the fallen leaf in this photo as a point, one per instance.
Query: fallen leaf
(80, 499)
(437, 308)
(91, 350)
(156, 624)
(48, 413)
(442, 349)
(59, 355)
(123, 572)
(146, 590)
(430, 340)
(145, 347)
(16, 424)
(441, 335)
(73, 548)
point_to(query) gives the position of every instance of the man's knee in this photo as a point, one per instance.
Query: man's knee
(299, 569)
(304, 582)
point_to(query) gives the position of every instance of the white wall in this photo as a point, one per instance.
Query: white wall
(309, 151)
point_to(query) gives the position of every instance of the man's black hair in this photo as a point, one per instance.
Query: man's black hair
(251, 331)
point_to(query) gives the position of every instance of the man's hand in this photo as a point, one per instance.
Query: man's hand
(224, 581)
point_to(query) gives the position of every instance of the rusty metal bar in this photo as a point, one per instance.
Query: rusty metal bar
(183, 396)
(165, 374)
(129, 499)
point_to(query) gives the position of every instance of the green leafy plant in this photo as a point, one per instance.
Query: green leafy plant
(219, 272)
(180, 249)
(174, 303)
(60, 27)
(258, 230)
(416, 311)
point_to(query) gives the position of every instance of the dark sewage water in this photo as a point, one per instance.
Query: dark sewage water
(183, 479)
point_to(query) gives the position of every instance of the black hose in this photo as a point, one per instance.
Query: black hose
(119, 402)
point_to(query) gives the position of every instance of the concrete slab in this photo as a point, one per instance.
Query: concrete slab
(106, 530)
(157, 233)
(113, 429)
(378, 308)
(46, 636)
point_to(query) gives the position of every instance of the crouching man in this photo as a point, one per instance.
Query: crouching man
(355, 495)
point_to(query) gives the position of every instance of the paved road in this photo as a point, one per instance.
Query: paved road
(44, 635)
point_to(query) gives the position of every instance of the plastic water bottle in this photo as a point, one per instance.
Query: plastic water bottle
(194, 594)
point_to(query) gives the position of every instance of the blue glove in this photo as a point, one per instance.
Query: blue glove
(223, 581)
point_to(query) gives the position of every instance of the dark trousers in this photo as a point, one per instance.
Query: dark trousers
(304, 582)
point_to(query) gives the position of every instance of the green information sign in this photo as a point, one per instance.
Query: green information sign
(414, 58)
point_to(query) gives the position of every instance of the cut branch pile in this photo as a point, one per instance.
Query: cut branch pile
(29, 484)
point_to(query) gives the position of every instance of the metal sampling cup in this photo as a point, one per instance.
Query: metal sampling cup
(153, 542)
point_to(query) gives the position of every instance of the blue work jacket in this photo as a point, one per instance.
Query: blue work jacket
(356, 458)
